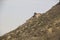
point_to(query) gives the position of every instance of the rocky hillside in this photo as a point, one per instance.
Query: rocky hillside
(39, 27)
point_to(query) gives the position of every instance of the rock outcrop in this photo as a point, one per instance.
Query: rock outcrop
(39, 27)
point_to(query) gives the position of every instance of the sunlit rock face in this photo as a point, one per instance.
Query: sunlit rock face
(37, 15)
(38, 27)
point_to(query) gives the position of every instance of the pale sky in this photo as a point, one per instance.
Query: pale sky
(15, 12)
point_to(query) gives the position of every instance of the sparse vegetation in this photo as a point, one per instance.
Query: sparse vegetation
(45, 27)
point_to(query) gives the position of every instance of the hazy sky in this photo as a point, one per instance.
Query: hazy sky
(15, 12)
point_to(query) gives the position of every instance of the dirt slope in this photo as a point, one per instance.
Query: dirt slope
(39, 27)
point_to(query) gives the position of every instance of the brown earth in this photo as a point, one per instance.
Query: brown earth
(39, 27)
